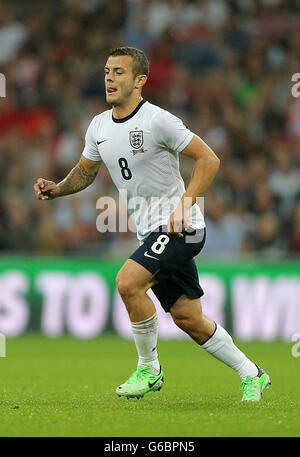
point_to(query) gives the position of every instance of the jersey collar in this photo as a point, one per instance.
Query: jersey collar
(124, 119)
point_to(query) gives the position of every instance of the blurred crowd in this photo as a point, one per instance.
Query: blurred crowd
(224, 67)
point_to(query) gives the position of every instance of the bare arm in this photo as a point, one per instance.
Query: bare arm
(80, 177)
(205, 169)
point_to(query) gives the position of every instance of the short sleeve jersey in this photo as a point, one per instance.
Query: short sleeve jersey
(141, 152)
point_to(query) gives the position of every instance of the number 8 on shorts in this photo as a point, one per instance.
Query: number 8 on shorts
(160, 244)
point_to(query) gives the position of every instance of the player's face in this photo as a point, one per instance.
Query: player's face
(119, 79)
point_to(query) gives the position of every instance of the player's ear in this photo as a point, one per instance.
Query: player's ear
(140, 81)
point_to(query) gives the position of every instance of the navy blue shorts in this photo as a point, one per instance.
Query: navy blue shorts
(171, 259)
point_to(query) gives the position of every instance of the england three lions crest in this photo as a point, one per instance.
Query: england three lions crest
(136, 139)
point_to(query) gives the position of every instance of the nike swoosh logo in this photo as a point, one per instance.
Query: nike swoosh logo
(151, 384)
(99, 142)
(148, 255)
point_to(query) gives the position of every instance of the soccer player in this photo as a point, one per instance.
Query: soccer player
(140, 144)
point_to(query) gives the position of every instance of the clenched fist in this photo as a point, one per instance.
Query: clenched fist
(45, 190)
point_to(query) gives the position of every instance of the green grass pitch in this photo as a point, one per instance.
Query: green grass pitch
(66, 387)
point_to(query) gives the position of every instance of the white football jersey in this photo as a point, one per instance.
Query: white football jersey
(141, 153)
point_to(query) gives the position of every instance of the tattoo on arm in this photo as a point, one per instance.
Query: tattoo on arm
(77, 180)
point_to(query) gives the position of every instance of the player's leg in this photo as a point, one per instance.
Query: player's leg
(133, 281)
(187, 314)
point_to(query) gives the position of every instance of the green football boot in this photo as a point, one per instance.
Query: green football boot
(253, 387)
(140, 383)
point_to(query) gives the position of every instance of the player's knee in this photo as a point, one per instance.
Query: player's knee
(126, 285)
(187, 321)
(183, 324)
(123, 285)
(180, 318)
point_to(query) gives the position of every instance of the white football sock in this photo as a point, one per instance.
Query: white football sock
(221, 346)
(145, 335)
